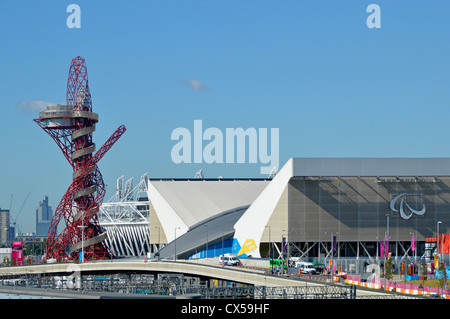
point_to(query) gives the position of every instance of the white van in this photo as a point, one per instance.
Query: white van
(307, 268)
(229, 260)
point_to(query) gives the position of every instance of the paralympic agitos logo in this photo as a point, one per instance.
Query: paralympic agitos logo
(405, 210)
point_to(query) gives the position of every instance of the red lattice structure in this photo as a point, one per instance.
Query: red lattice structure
(71, 127)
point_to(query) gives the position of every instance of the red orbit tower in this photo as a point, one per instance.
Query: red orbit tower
(71, 127)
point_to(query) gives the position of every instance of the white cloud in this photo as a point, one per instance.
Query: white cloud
(32, 106)
(196, 85)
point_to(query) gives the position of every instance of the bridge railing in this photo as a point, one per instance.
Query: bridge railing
(264, 292)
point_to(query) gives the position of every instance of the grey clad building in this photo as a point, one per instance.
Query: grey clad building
(4, 226)
(361, 202)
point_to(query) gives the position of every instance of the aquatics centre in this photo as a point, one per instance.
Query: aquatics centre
(312, 208)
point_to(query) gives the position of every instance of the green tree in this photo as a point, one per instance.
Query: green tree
(442, 280)
(36, 249)
(423, 270)
(389, 269)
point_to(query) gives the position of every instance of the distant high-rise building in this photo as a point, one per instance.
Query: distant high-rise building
(4, 226)
(44, 214)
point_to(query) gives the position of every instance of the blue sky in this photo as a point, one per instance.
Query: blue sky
(313, 69)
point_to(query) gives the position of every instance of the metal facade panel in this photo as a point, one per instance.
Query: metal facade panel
(371, 166)
(357, 208)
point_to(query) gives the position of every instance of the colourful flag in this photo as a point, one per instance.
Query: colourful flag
(381, 249)
(445, 246)
(334, 243)
(413, 243)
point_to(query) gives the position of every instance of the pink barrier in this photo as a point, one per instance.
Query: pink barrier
(355, 278)
(410, 286)
(381, 282)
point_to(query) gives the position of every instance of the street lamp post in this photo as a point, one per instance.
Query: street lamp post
(415, 248)
(332, 248)
(270, 243)
(437, 241)
(175, 243)
(438, 246)
(223, 246)
(377, 243)
(82, 239)
(159, 241)
(386, 249)
(223, 252)
(270, 250)
(331, 252)
(287, 242)
(206, 225)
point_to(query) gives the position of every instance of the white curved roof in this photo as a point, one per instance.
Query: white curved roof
(185, 203)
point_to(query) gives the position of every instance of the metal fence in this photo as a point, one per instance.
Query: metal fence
(263, 292)
(176, 285)
(179, 285)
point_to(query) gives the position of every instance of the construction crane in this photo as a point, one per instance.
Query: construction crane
(14, 220)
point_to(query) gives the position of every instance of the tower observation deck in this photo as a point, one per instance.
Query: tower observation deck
(71, 126)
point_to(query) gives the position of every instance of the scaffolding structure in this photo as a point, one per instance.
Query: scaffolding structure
(125, 217)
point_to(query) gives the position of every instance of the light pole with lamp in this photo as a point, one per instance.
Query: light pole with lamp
(287, 248)
(159, 241)
(331, 252)
(82, 239)
(223, 251)
(206, 225)
(270, 242)
(332, 249)
(270, 250)
(438, 247)
(175, 243)
(437, 241)
(413, 235)
(223, 247)
(287, 243)
(386, 249)
(377, 243)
